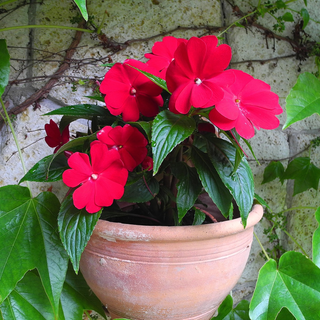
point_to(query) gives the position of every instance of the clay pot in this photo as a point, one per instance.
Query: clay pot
(155, 272)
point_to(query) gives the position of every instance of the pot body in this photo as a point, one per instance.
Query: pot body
(155, 272)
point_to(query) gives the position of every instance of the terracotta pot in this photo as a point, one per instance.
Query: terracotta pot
(155, 272)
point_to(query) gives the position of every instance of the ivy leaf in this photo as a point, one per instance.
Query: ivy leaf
(237, 178)
(189, 187)
(168, 130)
(29, 239)
(305, 17)
(316, 241)
(292, 285)
(211, 181)
(304, 173)
(226, 311)
(41, 172)
(29, 301)
(273, 171)
(4, 65)
(303, 99)
(82, 7)
(75, 227)
(288, 17)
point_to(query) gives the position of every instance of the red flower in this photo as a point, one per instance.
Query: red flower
(147, 163)
(129, 141)
(196, 75)
(56, 139)
(248, 102)
(101, 182)
(130, 92)
(163, 53)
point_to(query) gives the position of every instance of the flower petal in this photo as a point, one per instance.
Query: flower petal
(80, 162)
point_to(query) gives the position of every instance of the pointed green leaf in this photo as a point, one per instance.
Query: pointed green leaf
(304, 173)
(145, 125)
(4, 66)
(199, 217)
(211, 181)
(226, 311)
(305, 17)
(285, 314)
(75, 227)
(168, 130)
(82, 7)
(303, 99)
(288, 17)
(240, 181)
(316, 241)
(29, 238)
(40, 170)
(189, 187)
(273, 171)
(80, 110)
(294, 284)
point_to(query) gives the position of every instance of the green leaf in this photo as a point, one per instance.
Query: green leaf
(261, 201)
(273, 171)
(142, 190)
(226, 311)
(168, 130)
(305, 2)
(41, 172)
(240, 181)
(316, 241)
(29, 238)
(280, 4)
(97, 97)
(145, 125)
(211, 181)
(285, 314)
(83, 9)
(75, 227)
(4, 66)
(189, 187)
(294, 284)
(288, 17)
(29, 301)
(305, 17)
(158, 81)
(199, 217)
(80, 110)
(304, 173)
(303, 99)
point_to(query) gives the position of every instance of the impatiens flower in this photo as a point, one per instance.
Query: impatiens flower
(163, 53)
(129, 92)
(128, 141)
(147, 163)
(196, 74)
(55, 139)
(247, 103)
(100, 182)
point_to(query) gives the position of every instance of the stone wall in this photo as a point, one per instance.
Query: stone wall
(130, 28)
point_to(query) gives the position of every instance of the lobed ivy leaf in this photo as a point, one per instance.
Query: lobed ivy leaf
(226, 311)
(168, 130)
(75, 228)
(4, 66)
(237, 177)
(189, 187)
(23, 218)
(305, 17)
(82, 7)
(303, 99)
(273, 171)
(41, 172)
(304, 173)
(316, 241)
(28, 300)
(292, 285)
(211, 181)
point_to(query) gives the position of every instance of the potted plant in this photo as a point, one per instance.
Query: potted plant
(160, 182)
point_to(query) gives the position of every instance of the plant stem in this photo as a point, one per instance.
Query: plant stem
(15, 139)
(261, 246)
(46, 26)
(102, 22)
(7, 2)
(295, 241)
(244, 17)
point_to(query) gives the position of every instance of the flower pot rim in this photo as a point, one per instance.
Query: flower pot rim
(116, 231)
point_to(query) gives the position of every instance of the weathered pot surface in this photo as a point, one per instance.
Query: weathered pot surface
(156, 272)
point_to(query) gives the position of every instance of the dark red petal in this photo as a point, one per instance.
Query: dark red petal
(130, 110)
(52, 141)
(149, 106)
(65, 135)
